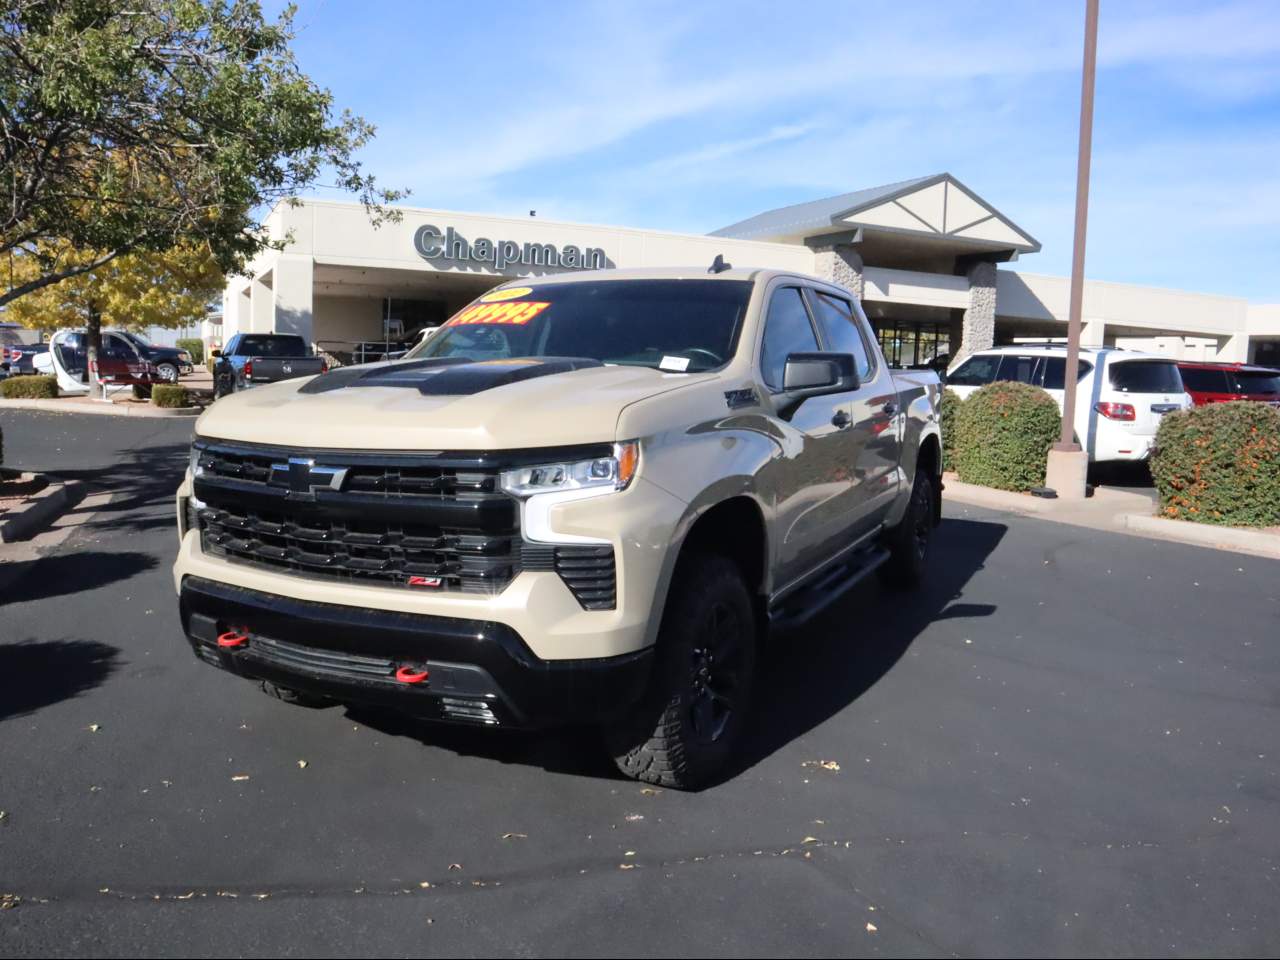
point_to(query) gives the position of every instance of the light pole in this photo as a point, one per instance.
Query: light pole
(1068, 466)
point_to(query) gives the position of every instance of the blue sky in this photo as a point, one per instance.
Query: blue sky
(688, 116)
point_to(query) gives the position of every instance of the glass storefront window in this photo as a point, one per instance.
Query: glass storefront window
(913, 344)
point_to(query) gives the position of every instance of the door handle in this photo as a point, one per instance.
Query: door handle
(890, 408)
(841, 419)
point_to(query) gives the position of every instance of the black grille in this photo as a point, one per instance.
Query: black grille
(411, 521)
(588, 571)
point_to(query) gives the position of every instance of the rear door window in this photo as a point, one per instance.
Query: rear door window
(1145, 376)
(1204, 380)
(976, 371)
(787, 330)
(271, 346)
(1053, 372)
(1019, 368)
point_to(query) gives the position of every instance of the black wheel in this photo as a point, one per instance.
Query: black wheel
(222, 385)
(685, 726)
(295, 697)
(910, 540)
(167, 372)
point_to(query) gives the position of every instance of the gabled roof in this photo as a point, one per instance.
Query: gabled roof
(937, 205)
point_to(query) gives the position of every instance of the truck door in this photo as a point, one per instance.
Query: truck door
(810, 479)
(873, 439)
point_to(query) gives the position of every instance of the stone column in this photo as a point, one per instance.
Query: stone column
(293, 296)
(978, 329)
(840, 263)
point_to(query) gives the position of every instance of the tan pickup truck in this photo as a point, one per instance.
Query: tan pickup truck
(587, 498)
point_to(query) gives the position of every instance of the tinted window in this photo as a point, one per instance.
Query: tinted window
(1145, 376)
(787, 330)
(1053, 372)
(1255, 381)
(1016, 368)
(670, 324)
(1203, 380)
(975, 372)
(273, 345)
(840, 331)
(118, 348)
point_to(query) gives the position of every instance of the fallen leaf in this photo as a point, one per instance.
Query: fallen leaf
(810, 840)
(425, 884)
(302, 764)
(649, 791)
(185, 896)
(515, 836)
(824, 764)
(3, 815)
(455, 866)
(633, 817)
(626, 866)
(95, 727)
(261, 896)
(629, 853)
(871, 927)
(239, 777)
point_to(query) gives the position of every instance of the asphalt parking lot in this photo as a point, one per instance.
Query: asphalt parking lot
(1066, 744)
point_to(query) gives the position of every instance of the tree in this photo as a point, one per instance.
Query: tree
(145, 125)
(137, 290)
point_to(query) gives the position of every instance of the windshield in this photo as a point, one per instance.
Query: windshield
(1257, 381)
(676, 325)
(139, 339)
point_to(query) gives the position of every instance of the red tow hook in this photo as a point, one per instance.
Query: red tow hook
(410, 675)
(233, 638)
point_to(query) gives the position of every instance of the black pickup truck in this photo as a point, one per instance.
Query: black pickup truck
(250, 359)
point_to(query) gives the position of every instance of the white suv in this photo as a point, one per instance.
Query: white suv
(1120, 396)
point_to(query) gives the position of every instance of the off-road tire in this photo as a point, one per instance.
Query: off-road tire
(708, 611)
(910, 541)
(295, 697)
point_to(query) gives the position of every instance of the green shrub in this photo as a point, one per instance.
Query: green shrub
(170, 395)
(1220, 464)
(1003, 435)
(948, 409)
(29, 387)
(193, 346)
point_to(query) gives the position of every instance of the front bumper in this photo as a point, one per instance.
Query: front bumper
(477, 671)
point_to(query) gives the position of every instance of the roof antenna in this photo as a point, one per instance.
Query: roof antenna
(718, 265)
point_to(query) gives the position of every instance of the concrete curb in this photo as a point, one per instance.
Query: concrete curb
(996, 499)
(44, 507)
(95, 408)
(1204, 534)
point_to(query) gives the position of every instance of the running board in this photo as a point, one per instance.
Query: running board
(826, 588)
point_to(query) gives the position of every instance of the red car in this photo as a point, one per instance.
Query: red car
(1221, 382)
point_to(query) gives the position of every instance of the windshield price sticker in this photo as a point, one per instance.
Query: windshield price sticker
(676, 364)
(518, 313)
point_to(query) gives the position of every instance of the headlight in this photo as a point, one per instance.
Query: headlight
(613, 473)
(193, 464)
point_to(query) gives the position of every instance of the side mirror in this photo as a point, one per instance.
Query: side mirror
(215, 353)
(808, 375)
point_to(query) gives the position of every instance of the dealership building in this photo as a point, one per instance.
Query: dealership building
(934, 264)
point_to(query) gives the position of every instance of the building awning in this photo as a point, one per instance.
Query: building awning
(937, 207)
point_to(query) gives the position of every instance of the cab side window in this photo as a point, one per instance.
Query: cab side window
(1053, 372)
(840, 329)
(787, 330)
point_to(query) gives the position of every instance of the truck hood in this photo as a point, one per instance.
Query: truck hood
(415, 405)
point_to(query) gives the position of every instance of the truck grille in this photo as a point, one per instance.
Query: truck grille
(412, 521)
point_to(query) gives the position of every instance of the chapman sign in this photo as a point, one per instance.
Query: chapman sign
(432, 244)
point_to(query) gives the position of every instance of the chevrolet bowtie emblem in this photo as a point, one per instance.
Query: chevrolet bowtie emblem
(304, 478)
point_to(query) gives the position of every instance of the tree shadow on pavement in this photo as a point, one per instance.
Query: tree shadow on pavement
(144, 483)
(69, 573)
(36, 674)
